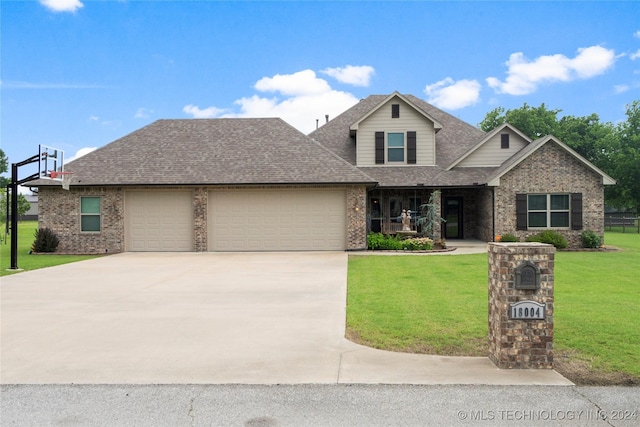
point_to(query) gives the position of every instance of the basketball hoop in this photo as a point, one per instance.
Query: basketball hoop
(65, 177)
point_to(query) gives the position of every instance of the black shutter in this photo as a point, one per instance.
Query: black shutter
(379, 148)
(411, 147)
(504, 140)
(395, 111)
(576, 211)
(521, 211)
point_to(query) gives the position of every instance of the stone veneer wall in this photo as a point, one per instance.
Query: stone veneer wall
(60, 211)
(520, 344)
(484, 214)
(551, 169)
(356, 218)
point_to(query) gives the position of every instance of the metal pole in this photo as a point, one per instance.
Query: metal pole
(14, 216)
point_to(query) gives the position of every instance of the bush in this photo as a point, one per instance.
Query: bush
(551, 237)
(508, 237)
(379, 241)
(418, 244)
(46, 241)
(590, 239)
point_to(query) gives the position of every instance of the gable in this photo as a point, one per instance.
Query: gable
(547, 155)
(399, 119)
(495, 149)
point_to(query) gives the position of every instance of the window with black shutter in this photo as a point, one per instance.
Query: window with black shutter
(411, 147)
(379, 148)
(576, 211)
(521, 211)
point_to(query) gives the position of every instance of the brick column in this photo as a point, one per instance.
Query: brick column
(518, 343)
(200, 204)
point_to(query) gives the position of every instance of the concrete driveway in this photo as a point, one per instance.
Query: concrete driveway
(206, 318)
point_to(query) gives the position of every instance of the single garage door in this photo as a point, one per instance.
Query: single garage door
(277, 220)
(159, 221)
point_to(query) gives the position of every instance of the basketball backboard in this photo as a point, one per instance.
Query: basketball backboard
(51, 159)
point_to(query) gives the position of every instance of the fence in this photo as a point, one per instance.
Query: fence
(622, 223)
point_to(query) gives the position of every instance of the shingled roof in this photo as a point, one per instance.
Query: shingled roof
(214, 152)
(454, 139)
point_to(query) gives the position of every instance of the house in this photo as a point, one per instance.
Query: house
(261, 185)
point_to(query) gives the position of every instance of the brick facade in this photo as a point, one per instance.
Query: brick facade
(515, 343)
(60, 211)
(550, 169)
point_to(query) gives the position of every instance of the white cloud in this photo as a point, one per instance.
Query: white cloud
(359, 75)
(202, 113)
(81, 152)
(301, 83)
(453, 95)
(524, 76)
(62, 5)
(143, 113)
(300, 99)
(621, 88)
(637, 34)
(635, 56)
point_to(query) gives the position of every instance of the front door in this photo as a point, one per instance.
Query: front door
(453, 216)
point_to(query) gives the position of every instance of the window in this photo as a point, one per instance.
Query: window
(548, 210)
(504, 140)
(395, 111)
(395, 147)
(90, 214)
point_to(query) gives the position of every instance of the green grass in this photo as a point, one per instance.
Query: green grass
(26, 261)
(438, 304)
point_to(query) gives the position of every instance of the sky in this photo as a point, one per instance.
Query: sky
(78, 74)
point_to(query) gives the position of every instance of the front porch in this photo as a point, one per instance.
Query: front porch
(468, 212)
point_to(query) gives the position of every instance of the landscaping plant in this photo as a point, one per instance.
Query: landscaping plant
(551, 237)
(46, 241)
(591, 240)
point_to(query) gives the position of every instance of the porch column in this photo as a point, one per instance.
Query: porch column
(437, 232)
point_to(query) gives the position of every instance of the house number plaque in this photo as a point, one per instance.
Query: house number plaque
(527, 310)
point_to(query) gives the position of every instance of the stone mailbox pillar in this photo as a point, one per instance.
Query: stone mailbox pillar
(521, 305)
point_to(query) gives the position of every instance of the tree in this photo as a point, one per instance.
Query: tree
(4, 166)
(626, 161)
(23, 206)
(533, 122)
(613, 148)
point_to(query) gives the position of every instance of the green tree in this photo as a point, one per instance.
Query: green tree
(625, 162)
(23, 206)
(4, 167)
(533, 122)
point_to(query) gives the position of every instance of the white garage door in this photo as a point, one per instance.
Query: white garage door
(277, 220)
(159, 221)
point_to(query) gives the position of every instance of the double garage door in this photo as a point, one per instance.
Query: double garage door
(239, 220)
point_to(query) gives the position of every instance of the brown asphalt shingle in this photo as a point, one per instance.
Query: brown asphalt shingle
(215, 152)
(452, 141)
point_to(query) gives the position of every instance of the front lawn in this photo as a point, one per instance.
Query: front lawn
(26, 261)
(438, 305)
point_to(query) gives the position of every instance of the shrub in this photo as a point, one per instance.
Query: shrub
(379, 241)
(508, 237)
(551, 237)
(46, 241)
(590, 239)
(418, 244)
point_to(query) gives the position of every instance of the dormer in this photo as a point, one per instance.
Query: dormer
(395, 133)
(494, 149)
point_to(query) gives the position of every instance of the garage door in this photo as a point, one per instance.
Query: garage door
(159, 221)
(277, 220)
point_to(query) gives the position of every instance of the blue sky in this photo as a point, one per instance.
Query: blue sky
(78, 74)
